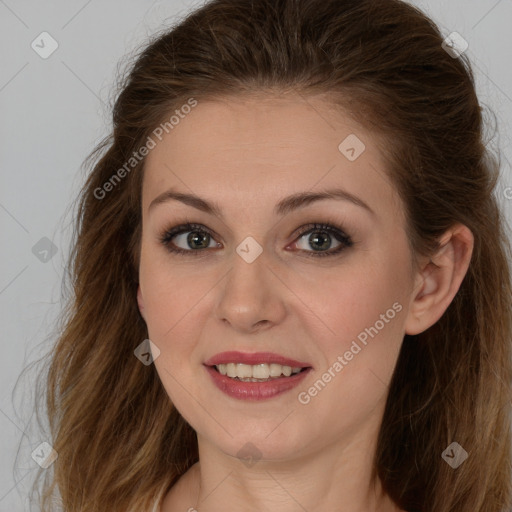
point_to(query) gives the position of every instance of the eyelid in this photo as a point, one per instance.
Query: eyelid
(329, 225)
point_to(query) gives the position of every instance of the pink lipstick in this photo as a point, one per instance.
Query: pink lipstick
(255, 376)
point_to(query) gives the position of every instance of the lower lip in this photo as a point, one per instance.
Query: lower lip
(255, 390)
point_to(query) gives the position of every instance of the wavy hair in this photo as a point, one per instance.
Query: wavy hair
(120, 441)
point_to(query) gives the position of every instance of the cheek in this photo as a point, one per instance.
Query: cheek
(364, 300)
(164, 291)
(363, 307)
(172, 301)
(165, 287)
(177, 300)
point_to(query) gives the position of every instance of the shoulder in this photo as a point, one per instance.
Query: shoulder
(183, 494)
(157, 505)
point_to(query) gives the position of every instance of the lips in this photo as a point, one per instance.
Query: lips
(253, 359)
(255, 389)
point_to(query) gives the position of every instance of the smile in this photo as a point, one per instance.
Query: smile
(257, 376)
(257, 372)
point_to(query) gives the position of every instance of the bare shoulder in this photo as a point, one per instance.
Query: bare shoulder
(182, 495)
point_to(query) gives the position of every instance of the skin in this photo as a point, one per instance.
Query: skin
(246, 154)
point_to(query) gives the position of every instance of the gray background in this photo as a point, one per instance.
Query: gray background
(54, 111)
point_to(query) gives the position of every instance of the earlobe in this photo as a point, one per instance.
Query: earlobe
(140, 302)
(440, 279)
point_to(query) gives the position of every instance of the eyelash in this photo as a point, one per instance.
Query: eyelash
(168, 234)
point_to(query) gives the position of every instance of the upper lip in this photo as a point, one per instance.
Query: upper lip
(253, 359)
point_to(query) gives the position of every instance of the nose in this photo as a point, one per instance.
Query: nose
(252, 296)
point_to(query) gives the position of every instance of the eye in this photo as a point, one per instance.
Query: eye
(194, 238)
(192, 235)
(321, 236)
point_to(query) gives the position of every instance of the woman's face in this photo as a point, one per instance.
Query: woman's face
(258, 277)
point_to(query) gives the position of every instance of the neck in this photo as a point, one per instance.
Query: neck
(346, 483)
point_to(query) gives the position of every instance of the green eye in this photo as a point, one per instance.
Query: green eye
(200, 238)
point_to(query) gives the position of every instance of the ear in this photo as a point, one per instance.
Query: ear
(439, 280)
(140, 302)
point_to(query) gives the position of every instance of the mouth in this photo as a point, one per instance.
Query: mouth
(255, 367)
(257, 376)
(258, 372)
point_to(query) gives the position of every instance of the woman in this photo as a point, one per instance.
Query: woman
(290, 275)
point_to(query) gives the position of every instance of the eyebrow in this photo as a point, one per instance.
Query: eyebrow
(284, 206)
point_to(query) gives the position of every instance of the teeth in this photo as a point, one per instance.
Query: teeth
(259, 371)
(243, 371)
(275, 370)
(253, 373)
(230, 369)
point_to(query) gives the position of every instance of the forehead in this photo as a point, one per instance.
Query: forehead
(266, 146)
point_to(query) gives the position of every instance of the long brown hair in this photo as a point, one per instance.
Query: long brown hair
(120, 441)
